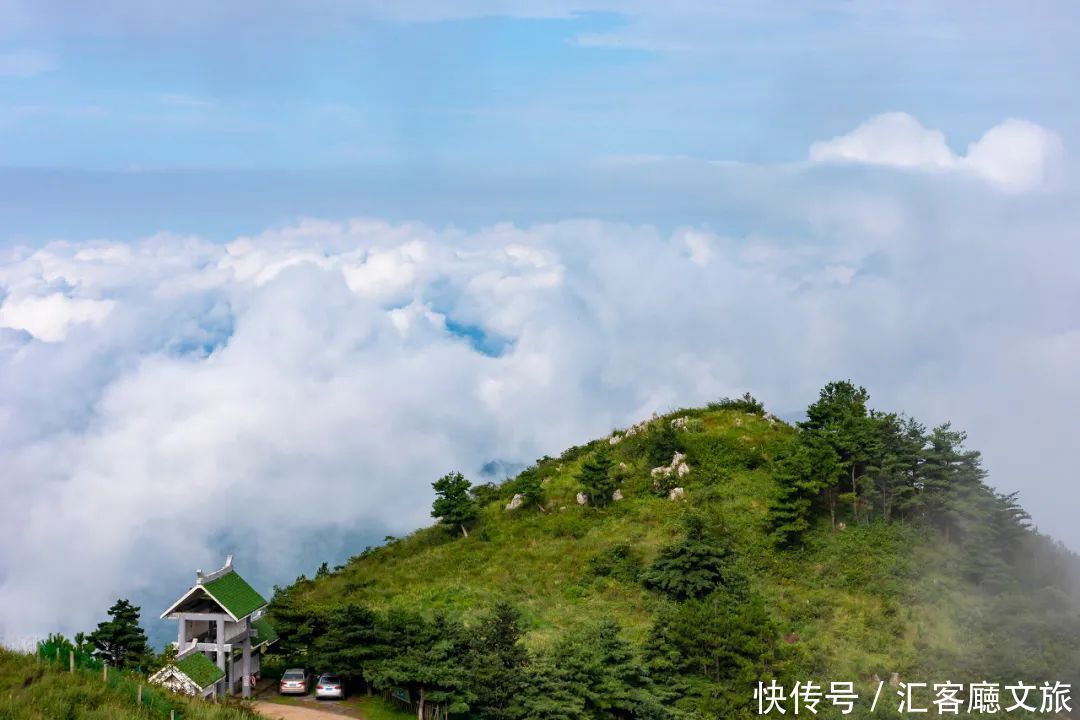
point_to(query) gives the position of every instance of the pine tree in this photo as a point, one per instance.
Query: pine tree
(807, 470)
(894, 471)
(120, 641)
(691, 568)
(530, 485)
(351, 643)
(840, 417)
(497, 663)
(427, 658)
(453, 505)
(596, 479)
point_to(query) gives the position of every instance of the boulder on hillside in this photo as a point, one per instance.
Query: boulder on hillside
(676, 494)
(617, 495)
(515, 502)
(582, 498)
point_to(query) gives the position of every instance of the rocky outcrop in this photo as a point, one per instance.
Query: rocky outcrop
(582, 498)
(677, 466)
(676, 494)
(617, 495)
(515, 502)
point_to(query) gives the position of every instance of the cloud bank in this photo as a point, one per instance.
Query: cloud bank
(167, 400)
(1017, 155)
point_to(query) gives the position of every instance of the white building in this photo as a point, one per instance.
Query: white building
(221, 636)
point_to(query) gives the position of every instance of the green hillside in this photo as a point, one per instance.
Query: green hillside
(856, 547)
(32, 689)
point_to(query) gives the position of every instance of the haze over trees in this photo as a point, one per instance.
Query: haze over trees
(852, 544)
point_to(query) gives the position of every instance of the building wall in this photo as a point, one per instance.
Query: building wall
(237, 670)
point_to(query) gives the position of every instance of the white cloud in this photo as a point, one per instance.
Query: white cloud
(361, 359)
(1017, 155)
(699, 245)
(50, 317)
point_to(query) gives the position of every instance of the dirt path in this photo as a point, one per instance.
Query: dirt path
(295, 712)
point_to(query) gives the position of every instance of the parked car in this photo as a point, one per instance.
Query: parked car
(330, 687)
(294, 682)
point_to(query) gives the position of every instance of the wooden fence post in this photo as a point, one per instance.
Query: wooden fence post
(71, 662)
(140, 694)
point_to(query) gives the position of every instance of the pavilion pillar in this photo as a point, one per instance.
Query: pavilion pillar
(181, 635)
(246, 682)
(221, 659)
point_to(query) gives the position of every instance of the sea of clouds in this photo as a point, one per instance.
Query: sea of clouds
(167, 400)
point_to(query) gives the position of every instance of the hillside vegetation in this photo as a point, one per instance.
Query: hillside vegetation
(32, 689)
(856, 546)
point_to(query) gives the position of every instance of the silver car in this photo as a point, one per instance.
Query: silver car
(329, 687)
(294, 682)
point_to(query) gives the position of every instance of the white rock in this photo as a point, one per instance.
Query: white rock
(683, 469)
(614, 439)
(617, 495)
(515, 502)
(676, 494)
(582, 499)
(622, 466)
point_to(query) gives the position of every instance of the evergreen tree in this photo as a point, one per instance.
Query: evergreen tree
(729, 639)
(950, 478)
(894, 471)
(591, 674)
(662, 442)
(530, 485)
(809, 469)
(352, 643)
(691, 568)
(453, 505)
(840, 416)
(596, 479)
(427, 658)
(497, 663)
(298, 624)
(120, 640)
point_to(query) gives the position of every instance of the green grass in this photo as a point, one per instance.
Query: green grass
(860, 602)
(359, 706)
(36, 690)
(376, 708)
(840, 597)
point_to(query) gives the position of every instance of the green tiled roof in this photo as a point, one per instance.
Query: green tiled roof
(202, 671)
(233, 592)
(262, 632)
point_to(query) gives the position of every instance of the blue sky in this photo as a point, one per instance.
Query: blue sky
(500, 96)
(252, 246)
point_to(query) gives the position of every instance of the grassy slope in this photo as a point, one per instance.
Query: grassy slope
(869, 599)
(33, 691)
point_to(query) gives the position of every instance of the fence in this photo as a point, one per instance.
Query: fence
(154, 703)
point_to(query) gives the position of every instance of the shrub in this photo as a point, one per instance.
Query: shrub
(619, 562)
(746, 403)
